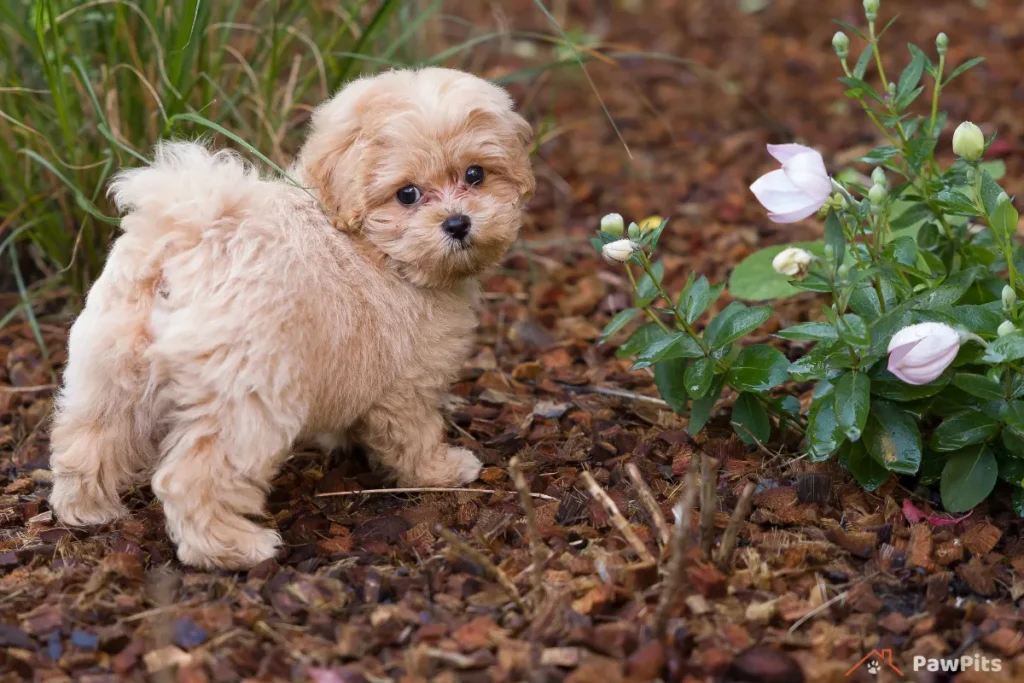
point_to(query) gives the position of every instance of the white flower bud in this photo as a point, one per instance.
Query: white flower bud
(633, 231)
(920, 353)
(871, 9)
(968, 141)
(1005, 328)
(792, 262)
(878, 177)
(619, 251)
(613, 224)
(843, 271)
(877, 195)
(941, 43)
(1009, 298)
(841, 44)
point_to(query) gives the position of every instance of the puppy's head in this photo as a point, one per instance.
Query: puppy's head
(432, 167)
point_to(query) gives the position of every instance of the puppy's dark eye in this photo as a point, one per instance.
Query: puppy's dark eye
(409, 195)
(474, 175)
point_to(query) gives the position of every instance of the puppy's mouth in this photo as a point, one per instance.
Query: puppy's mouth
(460, 244)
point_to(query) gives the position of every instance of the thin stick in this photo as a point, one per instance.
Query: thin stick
(618, 520)
(647, 498)
(607, 391)
(27, 390)
(680, 539)
(491, 569)
(817, 610)
(541, 496)
(740, 513)
(708, 502)
(536, 547)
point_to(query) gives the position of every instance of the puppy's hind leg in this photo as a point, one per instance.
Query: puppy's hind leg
(217, 461)
(101, 435)
(406, 433)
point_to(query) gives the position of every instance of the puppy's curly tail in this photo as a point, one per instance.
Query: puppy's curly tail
(187, 189)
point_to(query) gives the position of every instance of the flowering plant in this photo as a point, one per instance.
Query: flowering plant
(914, 367)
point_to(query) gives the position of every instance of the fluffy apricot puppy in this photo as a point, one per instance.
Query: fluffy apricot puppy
(237, 315)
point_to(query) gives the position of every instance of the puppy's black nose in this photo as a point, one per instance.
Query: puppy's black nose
(457, 226)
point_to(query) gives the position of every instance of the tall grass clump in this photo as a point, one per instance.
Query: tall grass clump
(88, 87)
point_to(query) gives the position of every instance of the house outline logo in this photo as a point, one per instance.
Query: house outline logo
(882, 656)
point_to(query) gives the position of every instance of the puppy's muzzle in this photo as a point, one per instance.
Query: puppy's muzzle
(457, 226)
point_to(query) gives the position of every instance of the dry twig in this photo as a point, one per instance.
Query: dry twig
(620, 522)
(708, 502)
(536, 547)
(740, 513)
(491, 569)
(680, 539)
(423, 490)
(650, 503)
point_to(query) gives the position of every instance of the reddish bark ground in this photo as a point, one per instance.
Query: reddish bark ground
(368, 590)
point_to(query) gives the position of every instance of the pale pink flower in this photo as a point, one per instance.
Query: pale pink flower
(798, 189)
(919, 353)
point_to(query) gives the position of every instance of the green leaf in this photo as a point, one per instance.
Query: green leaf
(1004, 349)
(862, 62)
(640, 340)
(978, 385)
(823, 433)
(822, 362)
(886, 385)
(990, 192)
(911, 76)
(854, 331)
(697, 299)
(865, 469)
(996, 168)
(617, 323)
(957, 203)
(676, 345)
(892, 438)
(852, 401)
(668, 377)
(1011, 469)
(879, 155)
(698, 377)
(750, 420)
(969, 64)
(962, 430)
(758, 368)
(754, 279)
(1015, 445)
(647, 289)
(914, 215)
(1004, 221)
(834, 236)
(809, 332)
(1018, 501)
(700, 411)
(968, 477)
(736, 323)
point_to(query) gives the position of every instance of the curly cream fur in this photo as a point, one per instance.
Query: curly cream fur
(237, 315)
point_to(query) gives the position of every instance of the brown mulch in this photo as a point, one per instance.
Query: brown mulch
(368, 590)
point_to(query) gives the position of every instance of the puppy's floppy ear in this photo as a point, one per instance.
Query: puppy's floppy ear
(521, 172)
(331, 156)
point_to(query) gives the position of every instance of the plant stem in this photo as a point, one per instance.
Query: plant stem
(646, 309)
(683, 323)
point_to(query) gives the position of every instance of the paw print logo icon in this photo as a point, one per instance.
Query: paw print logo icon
(874, 661)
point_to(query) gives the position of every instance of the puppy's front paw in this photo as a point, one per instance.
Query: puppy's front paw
(463, 466)
(78, 501)
(242, 549)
